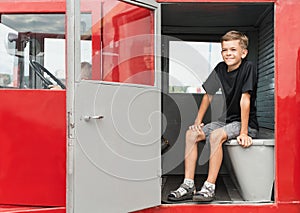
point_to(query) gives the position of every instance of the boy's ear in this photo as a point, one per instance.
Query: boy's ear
(244, 53)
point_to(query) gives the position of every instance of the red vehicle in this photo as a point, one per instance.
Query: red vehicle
(89, 87)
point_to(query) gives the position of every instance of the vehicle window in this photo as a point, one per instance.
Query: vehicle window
(30, 47)
(190, 63)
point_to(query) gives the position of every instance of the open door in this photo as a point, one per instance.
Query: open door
(113, 106)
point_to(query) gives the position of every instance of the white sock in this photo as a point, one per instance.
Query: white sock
(189, 182)
(210, 185)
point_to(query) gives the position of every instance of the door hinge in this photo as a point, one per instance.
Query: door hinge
(71, 126)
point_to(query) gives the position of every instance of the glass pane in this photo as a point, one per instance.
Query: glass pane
(121, 41)
(88, 72)
(190, 63)
(33, 44)
(128, 43)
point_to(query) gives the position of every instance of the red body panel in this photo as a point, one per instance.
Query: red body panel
(230, 208)
(18, 209)
(19, 6)
(220, 1)
(33, 147)
(287, 107)
(33, 136)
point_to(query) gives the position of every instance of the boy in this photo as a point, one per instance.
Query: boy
(237, 79)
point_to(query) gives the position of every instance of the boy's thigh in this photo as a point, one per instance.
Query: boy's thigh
(231, 129)
(208, 128)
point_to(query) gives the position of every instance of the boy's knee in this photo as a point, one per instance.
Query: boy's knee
(218, 136)
(191, 136)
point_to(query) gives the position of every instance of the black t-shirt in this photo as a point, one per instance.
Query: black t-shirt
(232, 85)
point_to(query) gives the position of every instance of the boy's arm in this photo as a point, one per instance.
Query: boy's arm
(243, 139)
(203, 108)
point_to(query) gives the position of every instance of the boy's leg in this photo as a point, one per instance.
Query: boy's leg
(191, 151)
(193, 136)
(191, 147)
(187, 188)
(216, 140)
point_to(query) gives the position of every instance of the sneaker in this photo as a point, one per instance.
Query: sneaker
(206, 194)
(184, 192)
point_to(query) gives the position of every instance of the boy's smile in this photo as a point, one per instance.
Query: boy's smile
(233, 53)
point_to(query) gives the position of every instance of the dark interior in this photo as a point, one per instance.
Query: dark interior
(214, 15)
(208, 22)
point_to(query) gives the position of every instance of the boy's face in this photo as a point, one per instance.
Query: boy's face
(233, 53)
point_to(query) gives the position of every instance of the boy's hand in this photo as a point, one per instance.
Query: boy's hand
(244, 140)
(54, 87)
(196, 127)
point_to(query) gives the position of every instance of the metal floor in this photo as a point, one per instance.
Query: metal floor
(226, 192)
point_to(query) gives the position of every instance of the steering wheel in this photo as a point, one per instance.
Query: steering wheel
(39, 70)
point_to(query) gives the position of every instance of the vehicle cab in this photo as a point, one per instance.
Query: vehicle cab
(76, 144)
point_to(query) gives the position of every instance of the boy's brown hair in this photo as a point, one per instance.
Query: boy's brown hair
(236, 35)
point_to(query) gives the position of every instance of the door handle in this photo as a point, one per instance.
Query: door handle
(88, 118)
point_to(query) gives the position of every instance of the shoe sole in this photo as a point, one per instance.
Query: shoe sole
(203, 199)
(185, 197)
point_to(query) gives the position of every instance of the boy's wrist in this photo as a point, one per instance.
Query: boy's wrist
(197, 122)
(244, 133)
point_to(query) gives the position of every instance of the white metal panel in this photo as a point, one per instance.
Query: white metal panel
(117, 157)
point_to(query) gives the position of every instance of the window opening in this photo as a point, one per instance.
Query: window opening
(127, 43)
(190, 63)
(25, 48)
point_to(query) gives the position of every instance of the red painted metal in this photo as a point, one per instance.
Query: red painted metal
(26, 209)
(32, 137)
(33, 147)
(220, 1)
(287, 101)
(16, 6)
(230, 208)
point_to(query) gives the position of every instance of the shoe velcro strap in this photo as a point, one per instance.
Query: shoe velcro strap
(177, 193)
(186, 187)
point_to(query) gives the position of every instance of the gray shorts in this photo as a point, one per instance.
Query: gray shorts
(232, 129)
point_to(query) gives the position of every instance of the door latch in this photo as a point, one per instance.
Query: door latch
(88, 118)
